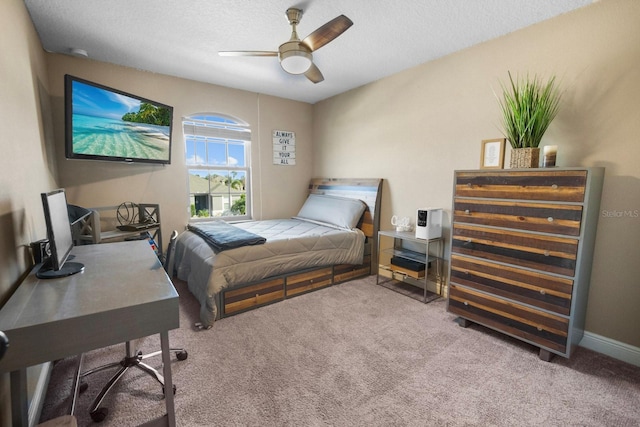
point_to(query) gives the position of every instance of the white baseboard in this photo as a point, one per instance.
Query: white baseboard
(616, 349)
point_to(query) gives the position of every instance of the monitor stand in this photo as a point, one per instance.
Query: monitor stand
(68, 268)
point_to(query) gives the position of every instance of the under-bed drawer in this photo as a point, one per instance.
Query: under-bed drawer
(538, 327)
(252, 296)
(345, 272)
(309, 281)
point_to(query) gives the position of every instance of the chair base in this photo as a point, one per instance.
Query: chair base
(99, 413)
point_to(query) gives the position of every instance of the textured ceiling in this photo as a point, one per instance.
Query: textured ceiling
(182, 38)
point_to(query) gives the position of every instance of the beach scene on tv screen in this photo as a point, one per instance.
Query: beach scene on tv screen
(110, 124)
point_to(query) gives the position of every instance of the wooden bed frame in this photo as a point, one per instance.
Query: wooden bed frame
(273, 289)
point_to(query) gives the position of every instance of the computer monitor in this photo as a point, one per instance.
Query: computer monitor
(56, 217)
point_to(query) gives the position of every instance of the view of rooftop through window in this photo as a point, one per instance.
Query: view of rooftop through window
(217, 155)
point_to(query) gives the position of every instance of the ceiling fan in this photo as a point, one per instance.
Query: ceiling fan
(295, 55)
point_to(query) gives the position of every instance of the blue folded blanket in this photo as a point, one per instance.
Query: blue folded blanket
(222, 236)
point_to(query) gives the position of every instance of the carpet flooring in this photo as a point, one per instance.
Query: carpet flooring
(357, 354)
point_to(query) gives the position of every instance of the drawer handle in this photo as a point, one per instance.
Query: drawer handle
(550, 219)
(546, 253)
(466, 303)
(542, 291)
(540, 329)
(554, 186)
(467, 211)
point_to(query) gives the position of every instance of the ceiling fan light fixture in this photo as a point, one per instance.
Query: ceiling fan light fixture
(295, 55)
(295, 61)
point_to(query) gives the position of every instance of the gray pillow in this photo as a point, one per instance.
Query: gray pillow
(339, 211)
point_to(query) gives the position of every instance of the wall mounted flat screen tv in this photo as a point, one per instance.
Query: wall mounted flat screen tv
(103, 123)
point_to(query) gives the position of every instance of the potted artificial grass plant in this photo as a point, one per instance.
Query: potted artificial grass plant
(528, 107)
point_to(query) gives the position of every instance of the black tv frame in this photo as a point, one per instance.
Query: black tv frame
(69, 126)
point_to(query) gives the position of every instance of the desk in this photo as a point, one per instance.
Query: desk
(123, 294)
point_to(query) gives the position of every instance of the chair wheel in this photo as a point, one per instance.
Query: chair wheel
(83, 387)
(174, 390)
(99, 414)
(182, 355)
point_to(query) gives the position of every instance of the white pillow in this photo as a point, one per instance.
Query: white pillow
(339, 211)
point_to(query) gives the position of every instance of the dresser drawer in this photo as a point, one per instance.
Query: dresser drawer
(538, 327)
(540, 217)
(529, 287)
(566, 186)
(538, 251)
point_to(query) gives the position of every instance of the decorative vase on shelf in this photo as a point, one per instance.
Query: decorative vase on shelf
(524, 158)
(528, 106)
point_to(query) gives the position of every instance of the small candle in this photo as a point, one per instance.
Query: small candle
(549, 153)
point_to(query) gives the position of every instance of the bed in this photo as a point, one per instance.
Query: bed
(331, 240)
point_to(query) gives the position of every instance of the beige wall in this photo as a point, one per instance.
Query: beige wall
(27, 166)
(278, 190)
(416, 127)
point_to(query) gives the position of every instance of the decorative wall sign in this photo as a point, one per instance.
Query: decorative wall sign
(284, 148)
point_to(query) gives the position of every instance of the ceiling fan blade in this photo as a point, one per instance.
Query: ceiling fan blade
(314, 74)
(248, 53)
(327, 32)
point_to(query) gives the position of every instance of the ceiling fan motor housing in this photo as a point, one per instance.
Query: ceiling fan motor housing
(294, 15)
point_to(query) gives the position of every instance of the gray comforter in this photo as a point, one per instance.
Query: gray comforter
(291, 245)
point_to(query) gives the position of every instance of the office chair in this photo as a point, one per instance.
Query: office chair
(131, 360)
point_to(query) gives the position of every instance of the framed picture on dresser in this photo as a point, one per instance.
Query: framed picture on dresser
(492, 153)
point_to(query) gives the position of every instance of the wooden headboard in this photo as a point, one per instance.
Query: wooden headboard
(369, 190)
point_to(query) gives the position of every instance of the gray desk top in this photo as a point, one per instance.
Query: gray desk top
(123, 294)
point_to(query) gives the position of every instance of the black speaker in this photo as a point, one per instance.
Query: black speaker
(40, 251)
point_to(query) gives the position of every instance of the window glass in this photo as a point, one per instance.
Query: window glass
(217, 157)
(217, 153)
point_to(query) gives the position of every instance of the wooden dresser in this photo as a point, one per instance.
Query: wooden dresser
(521, 250)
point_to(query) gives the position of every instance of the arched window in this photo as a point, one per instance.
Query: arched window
(217, 153)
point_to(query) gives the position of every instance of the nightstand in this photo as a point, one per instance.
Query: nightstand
(411, 266)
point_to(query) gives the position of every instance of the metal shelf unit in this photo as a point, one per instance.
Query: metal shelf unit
(424, 286)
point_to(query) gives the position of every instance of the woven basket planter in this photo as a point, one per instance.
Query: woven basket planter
(522, 158)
